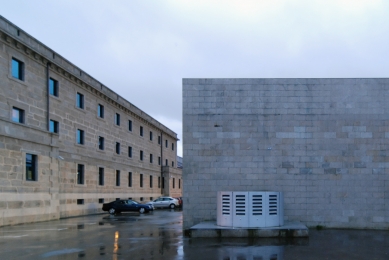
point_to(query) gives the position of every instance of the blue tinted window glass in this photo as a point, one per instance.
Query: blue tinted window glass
(16, 69)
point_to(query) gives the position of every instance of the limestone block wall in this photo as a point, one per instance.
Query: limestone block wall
(323, 142)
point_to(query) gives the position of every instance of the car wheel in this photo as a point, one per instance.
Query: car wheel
(172, 206)
(142, 210)
(111, 211)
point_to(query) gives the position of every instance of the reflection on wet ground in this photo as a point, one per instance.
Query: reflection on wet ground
(159, 236)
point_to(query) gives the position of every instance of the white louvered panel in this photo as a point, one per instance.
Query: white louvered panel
(240, 217)
(224, 208)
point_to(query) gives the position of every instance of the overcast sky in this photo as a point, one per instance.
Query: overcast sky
(142, 49)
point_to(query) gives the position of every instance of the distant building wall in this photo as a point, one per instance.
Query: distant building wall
(323, 142)
(56, 191)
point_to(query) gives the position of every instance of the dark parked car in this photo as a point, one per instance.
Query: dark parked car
(118, 206)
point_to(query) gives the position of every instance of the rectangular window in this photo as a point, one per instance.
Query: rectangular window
(151, 136)
(163, 182)
(141, 131)
(80, 136)
(80, 100)
(101, 143)
(18, 115)
(159, 139)
(172, 164)
(159, 160)
(17, 69)
(151, 158)
(151, 181)
(130, 179)
(80, 174)
(117, 149)
(101, 176)
(179, 183)
(31, 164)
(117, 119)
(141, 155)
(117, 178)
(130, 151)
(166, 163)
(172, 146)
(130, 125)
(100, 111)
(174, 183)
(101, 201)
(80, 201)
(54, 126)
(141, 180)
(159, 182)
(166, 143)
(53, 87)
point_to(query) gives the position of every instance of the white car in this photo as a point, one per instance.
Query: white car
(165, 202)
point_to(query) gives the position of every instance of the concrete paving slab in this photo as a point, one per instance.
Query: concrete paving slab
(210, 229)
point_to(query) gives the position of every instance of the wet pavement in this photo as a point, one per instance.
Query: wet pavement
(159, 236)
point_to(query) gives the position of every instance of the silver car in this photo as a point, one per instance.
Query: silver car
(165, 202)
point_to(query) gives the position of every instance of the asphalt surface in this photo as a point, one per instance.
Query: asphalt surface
(159, 236)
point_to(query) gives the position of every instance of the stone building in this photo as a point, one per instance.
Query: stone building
(68, 143)
(322, 142)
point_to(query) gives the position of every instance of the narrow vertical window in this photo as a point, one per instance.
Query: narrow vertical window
(141, 155)
(141, 180)
(159, 160)
(31, 164)
(117, 119)
(141, 131)
(130, 179)
(166, 163)
(18, 115)
(17, 69)
(80, 174)
(130, 125)
(80, 100)
(117, 148)
(130, 151)
(159, 139)
(151, 136)
(54, 126)
(117, 178)
(101, 176)
(80, 136)
(100, 111)
(179, 183)
(159, 182)
(166, 144)
(174, 183)
(101, 143)
(163, 182)
(151, 181)
(151, 158)
(53, 87)
(172, 164)
(172, 146)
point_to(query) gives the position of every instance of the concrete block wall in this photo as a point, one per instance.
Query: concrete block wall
(58, 153)
(323, 142)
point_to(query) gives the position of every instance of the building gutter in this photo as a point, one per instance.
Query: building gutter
(48, 95)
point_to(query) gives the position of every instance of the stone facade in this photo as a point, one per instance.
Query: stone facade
(27, 108)
(322, 142)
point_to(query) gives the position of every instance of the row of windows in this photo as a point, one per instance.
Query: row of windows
(32, 175)
(18, 114)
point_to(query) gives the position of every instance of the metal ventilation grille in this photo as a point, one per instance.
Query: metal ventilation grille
(240, 206)
(273, 202)
(257, 205)
(226, 204)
